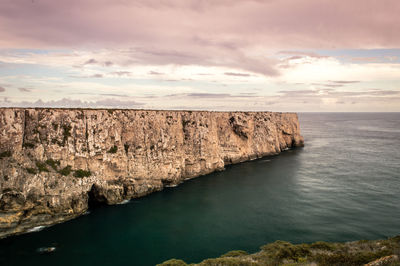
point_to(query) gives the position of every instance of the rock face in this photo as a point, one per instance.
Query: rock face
(55, 162)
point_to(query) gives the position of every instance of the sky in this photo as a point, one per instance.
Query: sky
(249, 55)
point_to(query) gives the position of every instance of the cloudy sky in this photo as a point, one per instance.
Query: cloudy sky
(277, 55)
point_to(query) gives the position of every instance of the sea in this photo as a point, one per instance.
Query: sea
(344, 185)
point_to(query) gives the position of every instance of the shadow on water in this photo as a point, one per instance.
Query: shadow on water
(339, 187)
(204, 216)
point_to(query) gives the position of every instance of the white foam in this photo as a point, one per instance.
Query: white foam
(36, 229)
(46, 249)
(124, 202)
(172, 185)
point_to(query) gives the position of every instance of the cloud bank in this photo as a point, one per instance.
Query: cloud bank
(228, 33)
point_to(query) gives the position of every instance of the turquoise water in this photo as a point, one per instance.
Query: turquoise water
(343, 185)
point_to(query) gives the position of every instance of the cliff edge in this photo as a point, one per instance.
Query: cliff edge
(55, 162)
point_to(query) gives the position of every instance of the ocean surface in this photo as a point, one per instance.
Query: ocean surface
(343, 185)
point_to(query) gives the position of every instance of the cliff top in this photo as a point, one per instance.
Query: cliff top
(128, 109)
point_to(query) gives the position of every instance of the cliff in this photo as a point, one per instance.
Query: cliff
(55, 162)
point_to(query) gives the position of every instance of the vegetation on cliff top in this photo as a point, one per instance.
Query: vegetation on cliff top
(53, 163)
(82, 173)
(41, 167)
(318, 253)
(66, 170)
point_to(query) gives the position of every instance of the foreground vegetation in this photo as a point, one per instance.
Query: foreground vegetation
(372, 253)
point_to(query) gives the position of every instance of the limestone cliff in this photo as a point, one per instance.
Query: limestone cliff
(55, 162)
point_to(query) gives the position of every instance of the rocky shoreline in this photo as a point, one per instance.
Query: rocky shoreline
(54, 163)
(385, 252)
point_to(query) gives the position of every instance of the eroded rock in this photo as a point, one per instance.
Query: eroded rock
(55, 161)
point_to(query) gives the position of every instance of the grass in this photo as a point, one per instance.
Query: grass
(235, 253)
(173, 262)
(5, 154)
(113, 149)
(31, 170)
(66, 170)
(227, 262)
(318, 253)
(53, 163)
(323, 246)
(41, 167)
(82, 173)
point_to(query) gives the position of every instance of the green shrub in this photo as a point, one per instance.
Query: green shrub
(82, 173)
(31, 170)
(173, 262)
(226, 262)
(126, 147)
(53, 163)
(66, 170)
(284, 250)
(359, 258)
(67, 132)
(28, 145)
(323, 246)
(41, 167)
(5, 154)
(235, 253)
(113, 149)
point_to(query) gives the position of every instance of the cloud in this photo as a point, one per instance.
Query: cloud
(204, 95)
(295, 57)
(309, 23)
(237, 74)
(97, 75)
(90, 62)
(108, 63)
(114, 95)
(155, 73)
(323, 93)
(333, 85)
(121, 73)
(366, 59)
(243, 40)
(208, 95)
(25, 89)
(345, 81)
(2, 89)
(70, 103)
(301, 54)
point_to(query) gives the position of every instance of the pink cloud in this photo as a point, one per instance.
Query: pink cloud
(216, 33)
(230, 24)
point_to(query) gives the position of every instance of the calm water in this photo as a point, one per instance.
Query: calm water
(344, 185)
